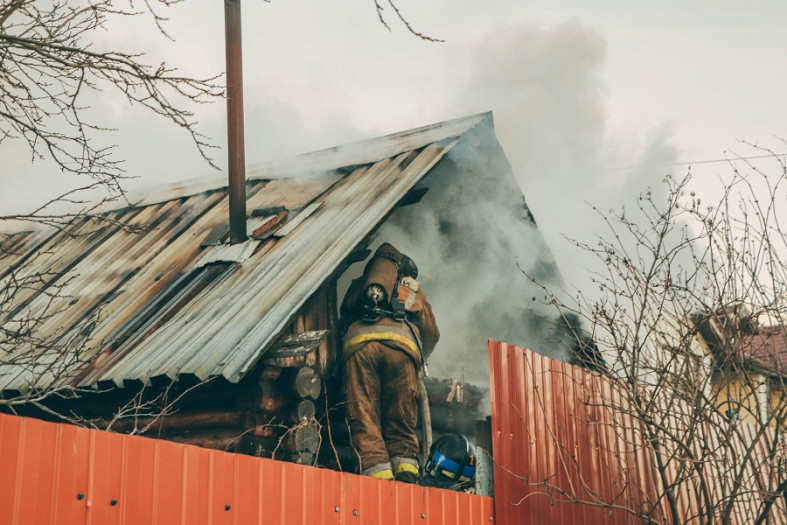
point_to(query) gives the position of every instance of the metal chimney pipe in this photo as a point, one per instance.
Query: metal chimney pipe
(235, 140)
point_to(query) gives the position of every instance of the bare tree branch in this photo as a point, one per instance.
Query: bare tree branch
(49, 69)
(691, 320)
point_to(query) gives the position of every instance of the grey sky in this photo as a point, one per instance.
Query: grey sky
(577, 88)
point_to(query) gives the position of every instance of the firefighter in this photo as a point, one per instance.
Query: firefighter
(389, 330)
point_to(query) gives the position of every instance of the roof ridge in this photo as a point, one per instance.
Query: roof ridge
(309, 164)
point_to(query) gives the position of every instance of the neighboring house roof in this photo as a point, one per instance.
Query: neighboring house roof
(767, 348)
(158, 302)
(732, 334)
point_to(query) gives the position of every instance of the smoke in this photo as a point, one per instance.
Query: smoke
(474, 236)
(545, 87)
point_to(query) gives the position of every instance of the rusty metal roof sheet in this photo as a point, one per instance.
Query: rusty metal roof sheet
(137, 296)
(57, 473)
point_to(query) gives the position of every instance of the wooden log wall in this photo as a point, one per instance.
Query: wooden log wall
(279, 421)
(321, 314)
(285, 417)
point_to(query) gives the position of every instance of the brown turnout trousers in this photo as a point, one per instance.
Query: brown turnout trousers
(381, 388)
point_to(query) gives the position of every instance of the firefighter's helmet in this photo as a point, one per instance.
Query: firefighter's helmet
(451, 462)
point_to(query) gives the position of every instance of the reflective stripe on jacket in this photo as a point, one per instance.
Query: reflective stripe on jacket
(386, 330)
(422, 319)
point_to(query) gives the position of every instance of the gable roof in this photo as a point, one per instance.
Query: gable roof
(138, 296)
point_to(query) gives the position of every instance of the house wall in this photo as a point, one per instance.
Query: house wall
(756, 393)
(321, 313)
(756, 397)
(737, 395)
(778, 399)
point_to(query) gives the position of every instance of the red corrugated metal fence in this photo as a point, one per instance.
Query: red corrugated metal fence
(567, 451)
(56, 473)
(544, 442)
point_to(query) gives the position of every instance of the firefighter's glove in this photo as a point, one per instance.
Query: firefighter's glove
(407, 294)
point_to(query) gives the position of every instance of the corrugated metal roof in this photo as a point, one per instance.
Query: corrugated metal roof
(131, 299)
(567, 451)
(57, 473)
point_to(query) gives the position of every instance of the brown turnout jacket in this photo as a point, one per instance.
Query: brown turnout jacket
(417, 337)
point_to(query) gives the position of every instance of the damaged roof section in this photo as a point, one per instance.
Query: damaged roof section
(153, 291)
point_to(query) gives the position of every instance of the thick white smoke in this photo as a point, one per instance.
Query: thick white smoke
(544, 87)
